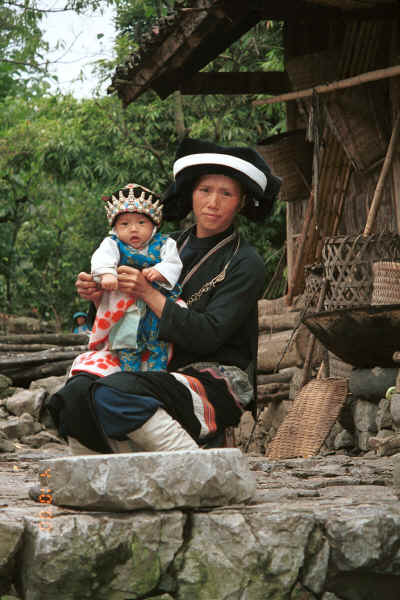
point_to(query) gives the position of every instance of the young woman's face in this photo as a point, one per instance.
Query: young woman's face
(133, 229)
(216, 200)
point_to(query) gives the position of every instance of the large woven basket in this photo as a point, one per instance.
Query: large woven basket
(386, 283)
(348, 266)
(314, 275)
(316, 408)
(290, 155)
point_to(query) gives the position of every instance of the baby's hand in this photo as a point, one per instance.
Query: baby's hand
(152, 274)
(109, 282)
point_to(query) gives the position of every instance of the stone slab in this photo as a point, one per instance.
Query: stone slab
(150, 480)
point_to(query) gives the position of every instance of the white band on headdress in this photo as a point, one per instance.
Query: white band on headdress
(226, 160)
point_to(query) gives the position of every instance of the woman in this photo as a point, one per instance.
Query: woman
(211, 376)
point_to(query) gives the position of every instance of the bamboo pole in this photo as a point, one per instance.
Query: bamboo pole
(333, 86)
(312, 339)
(308, 218)
(379, 186)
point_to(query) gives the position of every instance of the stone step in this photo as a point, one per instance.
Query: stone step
(153, 480)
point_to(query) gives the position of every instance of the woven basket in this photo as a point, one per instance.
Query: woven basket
(348, 266)
(307, 424)
(386, 283)
(314, 275)
(308, 70)
(290, 155)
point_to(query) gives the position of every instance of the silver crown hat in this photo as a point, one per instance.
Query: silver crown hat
(134, 198)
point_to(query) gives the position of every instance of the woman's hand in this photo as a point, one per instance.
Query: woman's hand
(87, 288)
(132, 281)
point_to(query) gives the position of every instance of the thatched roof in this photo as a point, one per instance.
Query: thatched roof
(197, 31)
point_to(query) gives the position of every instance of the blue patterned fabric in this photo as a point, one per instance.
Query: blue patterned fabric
(151, 354)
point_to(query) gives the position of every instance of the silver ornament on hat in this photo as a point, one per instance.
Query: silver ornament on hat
(145, 204)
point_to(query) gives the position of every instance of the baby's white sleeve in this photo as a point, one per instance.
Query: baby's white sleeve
(170, 265)
(105, 259)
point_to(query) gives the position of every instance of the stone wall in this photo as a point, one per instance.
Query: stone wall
(368, 416)
(325, 528)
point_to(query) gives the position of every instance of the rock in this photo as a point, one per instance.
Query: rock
(244, 553)
(362, 439)
(385, 445)
(395, 410)
(364, 414)
(6, 387)
(37, 440)
(371, 384)
(127, 557)
(17, 427)
(319, 528)
(26, 401)
(50, 384)
(155, 480)
(5, 444)
(5, 382)
(396, 476)
(10, 542)
(344, 439)
(384, 433)
(329, 441)
(383, 416)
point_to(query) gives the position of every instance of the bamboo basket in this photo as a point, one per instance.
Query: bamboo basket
(348, 266)
(355, 118)
(386, 283)
(314, 411)
(290, 156)
(309, 70)
(314, 275)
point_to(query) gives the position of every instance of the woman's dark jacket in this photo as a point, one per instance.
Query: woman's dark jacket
(220, 327)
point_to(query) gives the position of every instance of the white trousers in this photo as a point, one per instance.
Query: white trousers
(162, 432)
(159, 433)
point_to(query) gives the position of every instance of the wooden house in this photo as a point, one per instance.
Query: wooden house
(338, 135)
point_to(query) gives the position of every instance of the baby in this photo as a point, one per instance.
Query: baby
(124, 325)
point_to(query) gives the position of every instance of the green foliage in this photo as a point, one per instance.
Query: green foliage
(22, 67)
(58, 156)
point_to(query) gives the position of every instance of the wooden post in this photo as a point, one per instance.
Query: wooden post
(308, 219)
(384, 171)
(311, 341)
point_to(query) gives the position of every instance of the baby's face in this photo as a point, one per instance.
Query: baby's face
(134, 229)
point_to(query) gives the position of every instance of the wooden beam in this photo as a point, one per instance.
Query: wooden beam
(335, 85)
(263, 82)
(287, 10)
